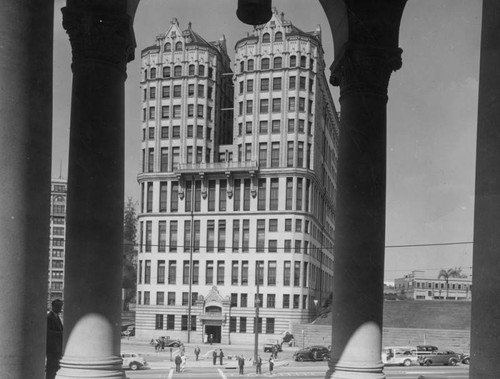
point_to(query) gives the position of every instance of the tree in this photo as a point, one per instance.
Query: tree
(129, 283)
(450, 273)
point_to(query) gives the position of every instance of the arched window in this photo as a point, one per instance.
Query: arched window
(166, 72)
(264, 64)
(250, 65)
(278, 62)
(191, 69)
(167, 47)
(201, 70)
(293, 61)
(242, 66)
(177, 71)
(152, 74)
(311, 64)
(266, 37)
(278, 37)
(303, 61)
(178, 46)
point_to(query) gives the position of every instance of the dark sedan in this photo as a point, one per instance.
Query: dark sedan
(312, 353)
(446, 357)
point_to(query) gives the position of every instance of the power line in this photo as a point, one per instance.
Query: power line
(431, 244)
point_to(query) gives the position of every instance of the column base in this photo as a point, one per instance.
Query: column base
(91, 367)
(351, 370)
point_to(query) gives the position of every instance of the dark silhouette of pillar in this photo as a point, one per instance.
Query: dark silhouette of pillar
(364, 61)
(26, 40)
(485, 328)
(102, 43)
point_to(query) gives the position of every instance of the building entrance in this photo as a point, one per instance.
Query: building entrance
(215, 331)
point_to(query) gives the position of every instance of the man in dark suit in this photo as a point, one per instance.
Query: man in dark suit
(54, 339)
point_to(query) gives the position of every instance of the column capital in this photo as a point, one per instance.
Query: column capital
(365, 69)
(99, 36)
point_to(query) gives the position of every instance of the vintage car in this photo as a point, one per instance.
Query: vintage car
(312, 353)
(268, 345)
(400, 355)
(133, 361)
(440, 357)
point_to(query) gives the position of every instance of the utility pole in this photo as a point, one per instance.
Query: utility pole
(256, 327)
(191, 248)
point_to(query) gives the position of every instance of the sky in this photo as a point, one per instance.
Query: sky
(431, 116)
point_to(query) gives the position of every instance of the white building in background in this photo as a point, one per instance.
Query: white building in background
(57, 239)
(230, 199)
(420, 286)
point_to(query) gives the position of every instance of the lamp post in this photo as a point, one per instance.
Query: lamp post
(315, 308)
(191, 248)
(256, 327)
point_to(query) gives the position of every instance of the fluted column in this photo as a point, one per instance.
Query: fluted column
(362, 69)
(485, 328)
(26, 40)
(102, 44)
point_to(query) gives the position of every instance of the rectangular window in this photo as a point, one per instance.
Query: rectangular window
(165, 92)
(246, 195)
(162, 236)
(291, 125)
(199, 112)
(201, 90)
(152, 111)
(237, 195)
(236, 235)
(177, 111)
(147, 272)
(302, 104)
(289, 193)
(222, 195)
(261, 236)
(172, 272)
(151, 160)
(298, 246)
(165, 112)
(296, 274)
(211, 195)
(270, 323)
(302, 82)
(234, 273)
(271, 273)
(160, 298)
(171, 298)
(190, 110)
(264, 84)
(170, 322)
(276, 126)
(257, 326)
(286, 301)
(173, 236)
(158, 322)
(244, 274)
(249, 107)
(174, 197)
(232, 324)
(248, 127)
(177, 91)
(276, 84)
(250, 85)
(209, 275)
(273, 222)
(286, 273)
(291, 104)
(185, 299)
(261, 195)
(276, 105)
(300, 154)
(164, 159)
(299, 194)
(184, 322)
(289, 154)
(246, 236)
(275, 154)
(296, 301)
(160, 275)
(149, 199)
(273, 246)
(288, 246)
(248, 152)
(220, 272)
(187, 235)
(221, 244)
(243, 324)
(292, 80)
(210, 235)
(164, 132)
(263, 127)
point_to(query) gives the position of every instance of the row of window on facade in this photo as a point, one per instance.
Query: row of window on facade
(177, 71)
(170, 324)
(176, 132)
(276, 106)
(265, 63)
(276, 84)
(292, 126)
(297, 195)
(239, 273)
(167, 93)
(177, 112)
(436, 285)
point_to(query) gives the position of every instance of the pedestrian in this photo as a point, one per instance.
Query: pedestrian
(273, 351)
(258, 365)
(241, 363)
(214, 355)
(221, 356)
(183, 363)
(210, 339)
(197, 351)
(54, 339)
(178, 361)
(271, 364)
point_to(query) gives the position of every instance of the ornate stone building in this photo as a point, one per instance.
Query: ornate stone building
(220, 214)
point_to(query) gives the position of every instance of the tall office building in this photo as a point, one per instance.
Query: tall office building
(57, 239)
(237, 207)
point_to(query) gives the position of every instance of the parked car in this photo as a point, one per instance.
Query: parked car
(133, 361)
(399, 355)
(170, 343)
(312, 353)
(426, 349)
(268, 345)
(129, 331)
(444, 357)
(466, 359)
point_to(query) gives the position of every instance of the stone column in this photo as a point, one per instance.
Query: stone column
(26, 38)
(362, 69)
(102, 44)
(485, 328)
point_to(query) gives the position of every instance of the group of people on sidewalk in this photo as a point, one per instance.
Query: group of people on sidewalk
(258, 364)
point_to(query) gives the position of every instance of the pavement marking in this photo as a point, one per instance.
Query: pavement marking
(222, 375)
(171, 373)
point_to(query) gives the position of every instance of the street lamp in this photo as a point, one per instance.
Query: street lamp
(315, 308)
(257, 304)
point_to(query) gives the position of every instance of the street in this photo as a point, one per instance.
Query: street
(162, 367)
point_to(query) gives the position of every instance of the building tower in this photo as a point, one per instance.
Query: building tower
(259, 208)
(57, 239)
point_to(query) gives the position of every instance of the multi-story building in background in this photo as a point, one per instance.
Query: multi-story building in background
(237, 207)
(419, 286)
(57, 239)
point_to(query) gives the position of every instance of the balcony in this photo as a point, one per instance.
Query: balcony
(226, 167)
